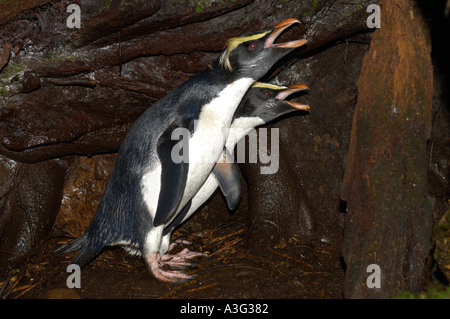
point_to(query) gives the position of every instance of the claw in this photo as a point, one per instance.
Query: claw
(180, 260)
(177, 242)
(153, 262)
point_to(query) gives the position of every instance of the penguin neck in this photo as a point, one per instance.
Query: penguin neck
(219, 111)
(226, 90)
(222, 75)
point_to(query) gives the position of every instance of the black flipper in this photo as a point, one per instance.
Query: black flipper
(227, 175)
(177, 220)
(173, 174)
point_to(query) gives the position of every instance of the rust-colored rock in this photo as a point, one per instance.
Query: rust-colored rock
(83, 189)
(385, 185)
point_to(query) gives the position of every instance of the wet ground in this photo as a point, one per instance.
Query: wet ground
(292, 269)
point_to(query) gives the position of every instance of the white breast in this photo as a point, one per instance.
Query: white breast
(241, 127)
(150, 187)
(210, 134)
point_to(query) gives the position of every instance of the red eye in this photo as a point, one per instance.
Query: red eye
(266, 92)
(252, 46)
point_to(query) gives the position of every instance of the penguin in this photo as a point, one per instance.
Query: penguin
(262, 103)
(171, 149)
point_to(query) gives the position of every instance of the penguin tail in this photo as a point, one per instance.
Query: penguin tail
(87, 252)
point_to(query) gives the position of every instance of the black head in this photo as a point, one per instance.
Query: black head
(267, 102)
(253, 54)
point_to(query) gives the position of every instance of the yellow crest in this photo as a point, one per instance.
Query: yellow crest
(257, 84)
(232, 44)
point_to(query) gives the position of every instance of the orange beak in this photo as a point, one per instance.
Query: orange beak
(292, 89)
(278, 29)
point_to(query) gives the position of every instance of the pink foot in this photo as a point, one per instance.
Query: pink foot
(177, 242)
(154, 263)
(180, 260)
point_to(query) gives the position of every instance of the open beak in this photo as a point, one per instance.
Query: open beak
(292, 89)
(278, 29)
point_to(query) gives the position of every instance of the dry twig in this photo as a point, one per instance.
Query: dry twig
(289, 257)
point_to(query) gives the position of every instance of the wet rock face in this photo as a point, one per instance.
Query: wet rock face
(30, 196)
(82, 191)
(72, 120)
(79, 90)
